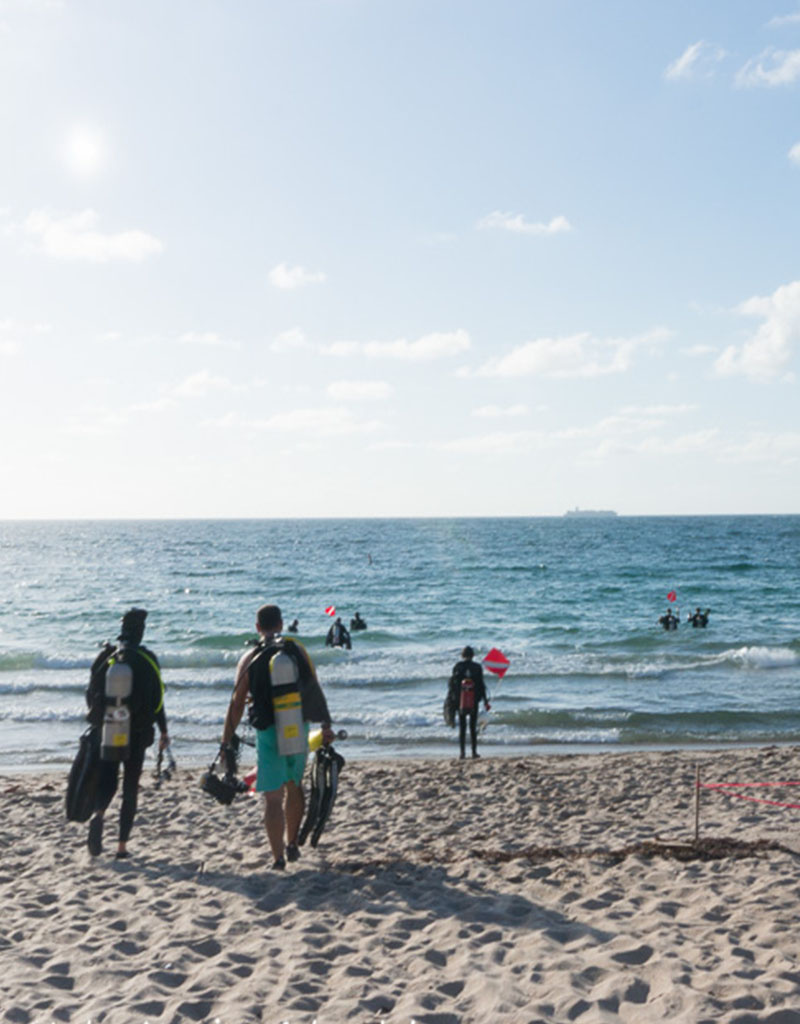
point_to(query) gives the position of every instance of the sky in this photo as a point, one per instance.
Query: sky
(309, 258)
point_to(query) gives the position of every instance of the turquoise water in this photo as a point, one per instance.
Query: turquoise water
(573, 604)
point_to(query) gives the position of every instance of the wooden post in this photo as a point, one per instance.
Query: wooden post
(696, 802)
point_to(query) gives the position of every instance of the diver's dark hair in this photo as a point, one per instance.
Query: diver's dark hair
(467, 652)
(269, 617)
(132, 628)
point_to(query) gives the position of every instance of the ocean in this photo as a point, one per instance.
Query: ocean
(572, 603)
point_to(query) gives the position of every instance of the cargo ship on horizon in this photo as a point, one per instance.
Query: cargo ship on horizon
(590, 513)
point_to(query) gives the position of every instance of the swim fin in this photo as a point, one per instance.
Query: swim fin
(324, 785)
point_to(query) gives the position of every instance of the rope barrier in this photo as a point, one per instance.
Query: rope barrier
(751, 785)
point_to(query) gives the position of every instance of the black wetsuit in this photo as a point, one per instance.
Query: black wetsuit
(338, 636)
(145, 711)
(357, 623)
(467, 716)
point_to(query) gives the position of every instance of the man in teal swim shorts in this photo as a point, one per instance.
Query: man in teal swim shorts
(277, 681)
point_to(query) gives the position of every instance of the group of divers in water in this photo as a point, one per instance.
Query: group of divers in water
(338, 635)
(671, 620)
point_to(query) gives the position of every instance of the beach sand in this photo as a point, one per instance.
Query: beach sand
(520, 890)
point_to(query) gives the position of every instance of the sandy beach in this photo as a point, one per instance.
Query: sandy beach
(554, 889)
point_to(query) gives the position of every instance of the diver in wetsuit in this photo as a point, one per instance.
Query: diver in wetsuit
(357, 622)
(293, 626)
(146, 710)
(465, 691)
(699, 619)
(669, 621)
(338, 636)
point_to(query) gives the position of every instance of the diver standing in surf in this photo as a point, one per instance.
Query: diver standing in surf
(466, 690)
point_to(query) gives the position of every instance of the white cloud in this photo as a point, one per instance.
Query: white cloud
(341, 349)
(772, 67)
(13, 334)
(697, 60)
(769, 350)
(359, 390)
(794, 154)
(784, 19)
(657, 410)
(783, 449)
(323, 422)
(516, 223)
(208, 339)
(292, 340)
(498, 411)
(288, 278)
(663, 444)
(498, 443)
(695, 351)
(438, 345)
(577, 355)
(201, 384)
(75, 237)
(156, 405)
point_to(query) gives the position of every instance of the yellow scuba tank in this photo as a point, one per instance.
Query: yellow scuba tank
(286, 704)
(115, 739)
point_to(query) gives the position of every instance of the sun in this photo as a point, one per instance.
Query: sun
(85, 151)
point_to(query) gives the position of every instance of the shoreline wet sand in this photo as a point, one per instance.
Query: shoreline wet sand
(539, 888)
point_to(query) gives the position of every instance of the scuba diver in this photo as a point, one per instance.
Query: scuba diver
(357, 622)
(669, 621)
(293, 626)
(465, 691)
(125, 698)
(338, 635)
(279, 681)
(698, 618)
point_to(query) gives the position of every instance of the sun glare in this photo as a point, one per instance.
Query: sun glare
(85, 151)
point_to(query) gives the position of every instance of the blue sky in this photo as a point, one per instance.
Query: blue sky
(372, 257)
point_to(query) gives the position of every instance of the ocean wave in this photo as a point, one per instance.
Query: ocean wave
(761, 657)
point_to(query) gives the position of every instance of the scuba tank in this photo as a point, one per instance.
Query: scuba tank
(467, 695)
(286, 704)
(115, 742)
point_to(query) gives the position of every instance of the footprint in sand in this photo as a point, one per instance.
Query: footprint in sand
(171, 979)
(639, 955)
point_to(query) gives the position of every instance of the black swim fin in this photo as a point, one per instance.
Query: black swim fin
(312, 807)
(324, 785)
(334, 762)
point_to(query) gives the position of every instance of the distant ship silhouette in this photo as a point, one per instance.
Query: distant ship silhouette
(590, 513)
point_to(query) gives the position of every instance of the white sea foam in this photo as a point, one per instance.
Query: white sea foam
(762, 657)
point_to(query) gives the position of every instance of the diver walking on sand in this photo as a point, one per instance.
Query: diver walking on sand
(125, 697)
(278, 681)
(466, 690)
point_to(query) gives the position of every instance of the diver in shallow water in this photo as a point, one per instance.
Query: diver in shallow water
(465, 691)
(293, 626)
(669, 621)
(357, 622)
(699, 618)
(338, 635)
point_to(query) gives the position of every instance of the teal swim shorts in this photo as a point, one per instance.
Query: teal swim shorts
(273, 768)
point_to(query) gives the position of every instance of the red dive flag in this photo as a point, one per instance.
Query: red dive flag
(496, 662)
(672, 596)
(330, 610)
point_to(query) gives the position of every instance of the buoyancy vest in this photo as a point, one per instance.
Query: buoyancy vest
(275, 677)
